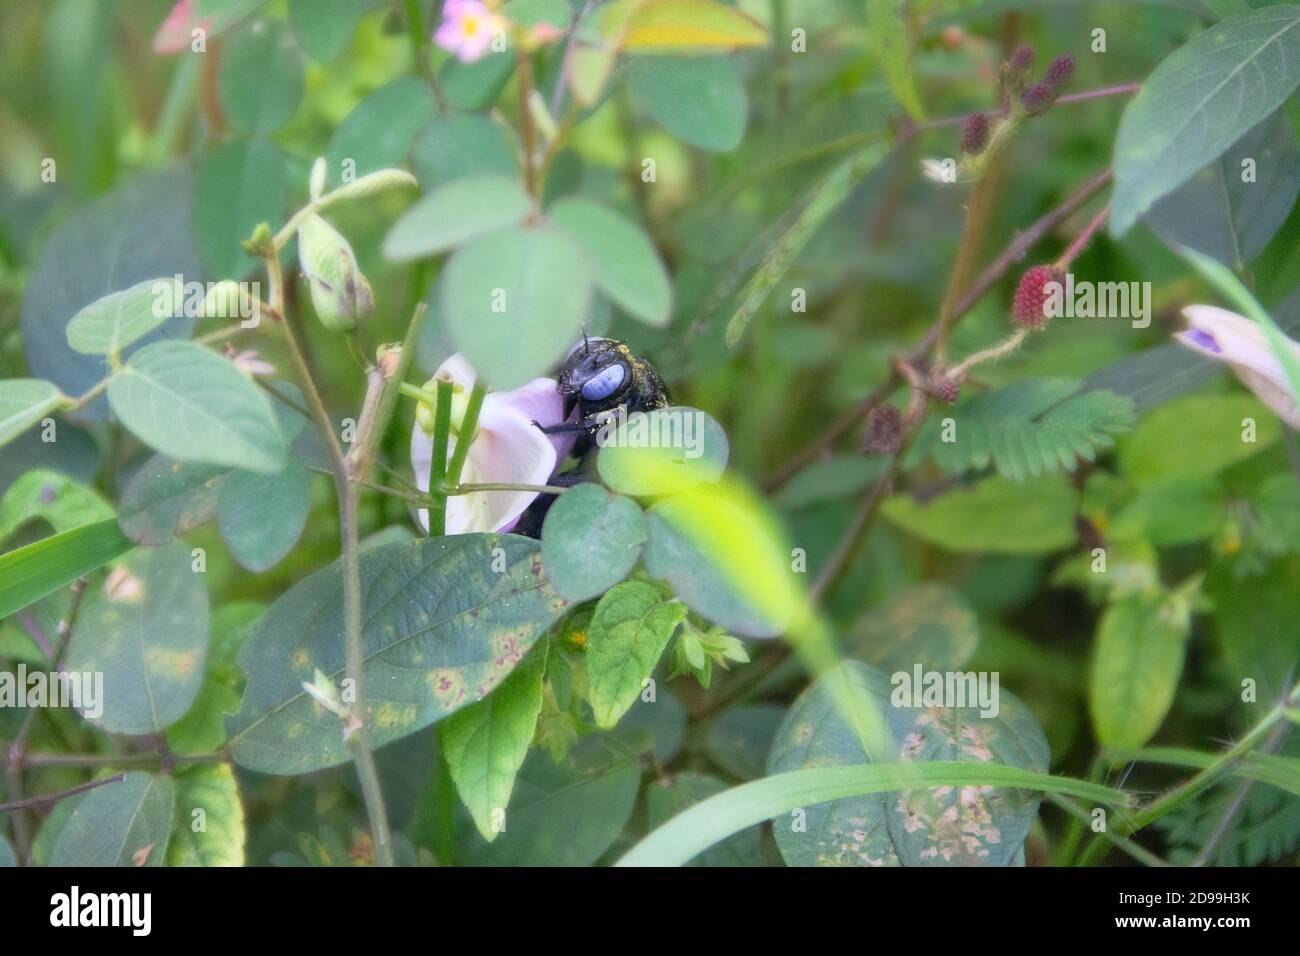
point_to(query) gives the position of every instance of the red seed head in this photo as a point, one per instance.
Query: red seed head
(1037, 98)
(1029, 308)
(1022, 59)
(884, 430)
(944, 387)
(975, 134)
(1059, 72)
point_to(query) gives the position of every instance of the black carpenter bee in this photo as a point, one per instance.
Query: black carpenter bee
(599, 378)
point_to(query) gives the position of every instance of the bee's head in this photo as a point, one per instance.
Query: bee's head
(597, 372)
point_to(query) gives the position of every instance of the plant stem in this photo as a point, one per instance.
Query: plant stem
(1077, 245)
(1172, 799)
(36, 801)
(125, 761)
(505, 486)
(419, 36)
(438, 468)
(524, 75)
(465, 437)
(1005, 347)
(1139, 853)
(1238, 801)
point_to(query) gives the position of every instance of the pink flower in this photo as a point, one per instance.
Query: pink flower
(508, 448)
(1242, 345)
(467, 29)
(177, 32)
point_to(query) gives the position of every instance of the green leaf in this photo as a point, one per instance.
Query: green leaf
(378, 133)
(239, 184)
(887, 28)
(739, 739)
(108, 325)
(119, 824)
(1199, 101)
(851, 831)
(261, 517)
(209, 827)
(661, 452)
(724, 557)
(485, 743)
(192, 404)
(203, 728)
(261, 77)
(456, 213)
(1139, 658)
(30, 573)
(23, 403)
(677, 25)
(7, 857)
(996, 515)
(463, 144)
(53, 497)
(700, 100)
(590, 541)
(515, 300)
(323, 26)
(627, 636)
(476, 85)
(1162, 446)
(442, 628)
(566, 815)
(669, 796)
(146, 630)
(627, 268)
(1219, 214)
(700, 827)
(1174, 510)
(1029, 428)
(141, 229)
(928, 623)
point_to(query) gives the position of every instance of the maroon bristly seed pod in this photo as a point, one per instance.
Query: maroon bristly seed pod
(1022, 59)
(1059, 72)
(944, 387)
(1037, 98)
(975, 134)
(884, 430)
(1029, 308)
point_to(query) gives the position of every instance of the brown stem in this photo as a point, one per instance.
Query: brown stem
(36, 801)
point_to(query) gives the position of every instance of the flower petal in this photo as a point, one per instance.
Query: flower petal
(1242, 345)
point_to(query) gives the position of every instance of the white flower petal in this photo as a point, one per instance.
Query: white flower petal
(1241, 344)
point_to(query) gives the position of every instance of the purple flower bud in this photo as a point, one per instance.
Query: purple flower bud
(884, 430)
(975, 134)
(1037, 98)
(1022, 59)
(1059, 72)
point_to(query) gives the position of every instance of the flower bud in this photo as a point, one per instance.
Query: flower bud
(944, 387)
(1022, 59)
(1037, 98)
(884, 430)
(1029, 308)
(975, 134)
(425, 412)
(1059, 72)
(340, 293)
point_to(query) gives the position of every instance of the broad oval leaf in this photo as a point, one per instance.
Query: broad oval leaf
(145, 628)
(323, 26)
(23, 403)
(261, 77)
(119, 824)
(140, 229)
(627, 635)
(887, 28)
(190, 403)
(239, 184)
(377, 134)
(700, 100)
(931, 624)
(1219, 213)
(1199, 101)
(662, 452)
(463, 144)
(52, 497)
(515, 300)
(485, 743)
(442, 628)
(591, 540)
(1138, 661)
(739, 739)
(627, 268)
(456, 213)
(212, 790)
(108, 325)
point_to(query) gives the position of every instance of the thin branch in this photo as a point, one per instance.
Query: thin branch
(43, 798)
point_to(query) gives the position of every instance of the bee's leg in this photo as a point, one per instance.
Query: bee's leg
(569, 479)
(560, 429)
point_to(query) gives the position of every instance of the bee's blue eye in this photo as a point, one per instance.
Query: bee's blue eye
(604, 383)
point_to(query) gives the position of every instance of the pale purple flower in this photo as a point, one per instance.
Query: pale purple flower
(467, 29)
(1242, 345)
(508, 449)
